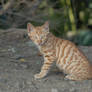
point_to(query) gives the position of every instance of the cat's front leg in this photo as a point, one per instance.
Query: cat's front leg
(44, 70)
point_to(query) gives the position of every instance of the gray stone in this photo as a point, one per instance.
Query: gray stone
(18, 76)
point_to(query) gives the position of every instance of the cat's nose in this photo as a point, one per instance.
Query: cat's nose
(39, 42)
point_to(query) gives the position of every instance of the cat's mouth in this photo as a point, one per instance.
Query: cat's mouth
(42, 43)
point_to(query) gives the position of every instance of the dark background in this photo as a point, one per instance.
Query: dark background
(69, 19)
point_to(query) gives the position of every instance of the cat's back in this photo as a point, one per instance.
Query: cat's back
(69, 56)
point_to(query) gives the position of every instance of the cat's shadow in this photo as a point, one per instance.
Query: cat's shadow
(56, 72)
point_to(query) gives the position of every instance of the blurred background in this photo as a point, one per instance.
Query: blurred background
(69, 19)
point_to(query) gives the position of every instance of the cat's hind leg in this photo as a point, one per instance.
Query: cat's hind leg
(73, 77)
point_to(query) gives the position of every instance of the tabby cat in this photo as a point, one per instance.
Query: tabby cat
(67, 56)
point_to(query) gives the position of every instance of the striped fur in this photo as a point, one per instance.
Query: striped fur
(67, 56)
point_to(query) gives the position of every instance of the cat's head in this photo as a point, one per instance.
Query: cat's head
(38, 34)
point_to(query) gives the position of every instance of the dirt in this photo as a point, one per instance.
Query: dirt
(19, 61)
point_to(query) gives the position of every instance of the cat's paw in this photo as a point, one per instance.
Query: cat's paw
(66, 79)
(71, 77)
(38, 76)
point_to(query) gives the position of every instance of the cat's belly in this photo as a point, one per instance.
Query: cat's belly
(61, 68)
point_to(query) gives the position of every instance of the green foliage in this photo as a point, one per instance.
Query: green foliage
(84, 37)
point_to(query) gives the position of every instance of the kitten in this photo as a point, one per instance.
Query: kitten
(67, 56)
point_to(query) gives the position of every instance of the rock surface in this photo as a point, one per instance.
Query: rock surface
(19, 61)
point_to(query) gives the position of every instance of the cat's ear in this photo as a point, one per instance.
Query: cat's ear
(30, 27)
(46, 26)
